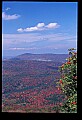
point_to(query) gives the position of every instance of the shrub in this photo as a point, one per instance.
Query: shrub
(68, 83)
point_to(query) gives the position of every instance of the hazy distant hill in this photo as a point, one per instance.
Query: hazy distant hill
(6, 57)
(42, 57)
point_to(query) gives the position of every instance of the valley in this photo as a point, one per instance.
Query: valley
(30, 85)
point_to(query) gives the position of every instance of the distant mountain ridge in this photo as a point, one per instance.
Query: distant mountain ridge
(42, 57)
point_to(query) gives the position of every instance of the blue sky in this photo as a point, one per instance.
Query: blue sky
(39, 27)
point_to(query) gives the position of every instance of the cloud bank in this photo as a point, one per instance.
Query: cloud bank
(9, 17)
(35, 39)
(37, 43)
(39, 27)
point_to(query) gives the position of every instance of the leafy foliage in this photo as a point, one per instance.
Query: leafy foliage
(68, 83)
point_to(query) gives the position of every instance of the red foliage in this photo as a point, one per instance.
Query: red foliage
(62, 66)
(61, 81)
(68, 62)
(74, 103)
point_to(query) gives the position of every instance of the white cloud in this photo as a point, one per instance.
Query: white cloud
(16, 48)
(20, 30)
(7, 8)
(52, 25)
(40, 24)
(9, 17)
(30, 29)
(39, 27)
